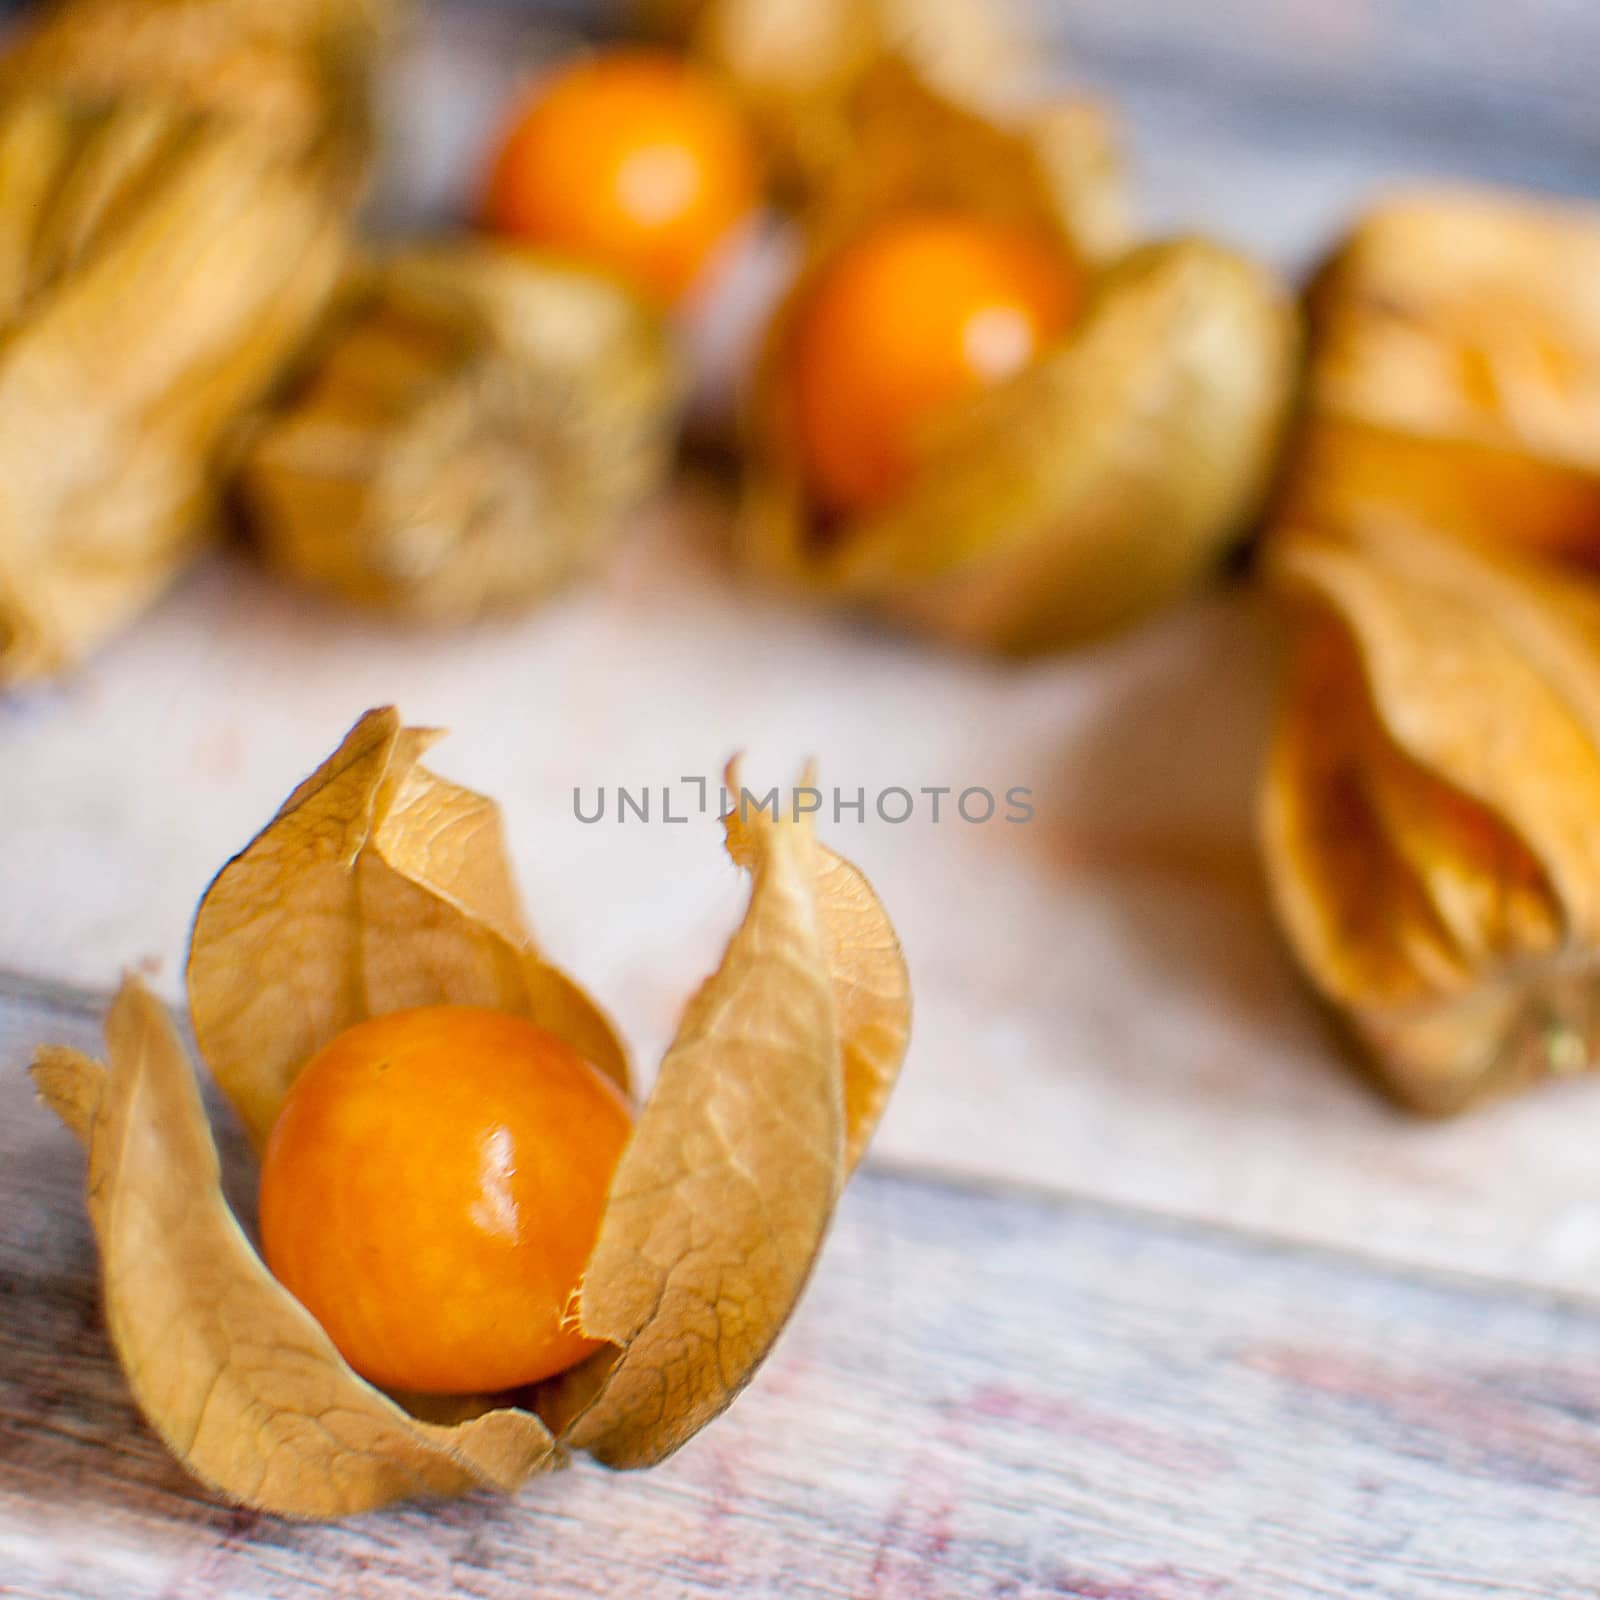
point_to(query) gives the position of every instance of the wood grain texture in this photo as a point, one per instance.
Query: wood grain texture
(984, 1395)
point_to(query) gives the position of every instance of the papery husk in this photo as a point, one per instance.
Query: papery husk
(800, 66)
(1428, 814)
(299, 71)
(1097, 484)
(1100, 480)
(157, 269)
(1455, 375)
(473, 431)
(378, 886)
(230, 1370)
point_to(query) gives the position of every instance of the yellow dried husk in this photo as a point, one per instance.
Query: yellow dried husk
(800, 66)
(380, 886)
(300, 71)
(473, 430)
(1428, 814)
(1098, 482)
(1455, 375)
(157, 270)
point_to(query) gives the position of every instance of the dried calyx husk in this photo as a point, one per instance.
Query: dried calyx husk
(472, 429)
(380, 886)
(1455, 375)
(1428, 812)
(158, 267)
(299, 71)
(800, 66)
(1094, 484)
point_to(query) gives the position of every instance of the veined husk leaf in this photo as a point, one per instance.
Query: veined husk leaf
(299, 71)
(801, 66)
(474, 429)
(1090, 488)
(231, 1371)
(157, 269)
(1428, 814)
(1455, 375)
(378, 886)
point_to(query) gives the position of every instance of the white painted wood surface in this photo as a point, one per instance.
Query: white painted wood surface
(983, 1395)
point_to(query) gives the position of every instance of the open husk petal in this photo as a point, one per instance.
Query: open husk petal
(1455, 375)
(230, 1370)
(157, 270)
(473, 431)
(1087, 490)
(1428, 810)
(721, 1200)
(379, 886)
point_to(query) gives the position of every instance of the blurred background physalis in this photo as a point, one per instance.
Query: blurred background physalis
(431, 1191)
(634, 161)
(983, 409)
(1455, 376)
(472, 430)
(924, 309)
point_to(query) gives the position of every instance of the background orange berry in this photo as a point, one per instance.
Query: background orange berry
(920, 311)
(431, 1192)
(632, 161)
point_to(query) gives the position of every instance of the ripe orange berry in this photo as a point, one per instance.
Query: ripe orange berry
(431, 1192)
(919, 312)
(634, 162)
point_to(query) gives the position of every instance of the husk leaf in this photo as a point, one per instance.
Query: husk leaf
(674, 1284)
(156, 272)
(1428, 811)
(800, 65)
(1094, 485)
(1455, 375)
(721, 1199)
(1054, 166)
(300, 72)
(233, 1374)
(473, 431)
(379, 886)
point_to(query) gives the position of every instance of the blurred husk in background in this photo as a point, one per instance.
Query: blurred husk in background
(1428, 814)
(1102, 479)
(175, 180)
(297, 71)
(1428, 811)
(799, 65)
(468, 433)
(1455, 375)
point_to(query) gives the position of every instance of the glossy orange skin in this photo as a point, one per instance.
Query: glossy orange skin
(632, 161)
(431, 1192)
(921, 311)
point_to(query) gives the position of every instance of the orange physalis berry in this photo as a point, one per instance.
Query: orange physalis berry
(633, 161)
(431, 1192)
(917, 313)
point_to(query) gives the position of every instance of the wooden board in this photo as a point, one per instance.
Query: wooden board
(984, 1394)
